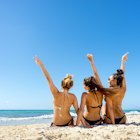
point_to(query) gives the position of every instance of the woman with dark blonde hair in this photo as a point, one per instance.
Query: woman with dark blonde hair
(62, 100)
(115, 95)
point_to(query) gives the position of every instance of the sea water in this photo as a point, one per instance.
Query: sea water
(24, 117)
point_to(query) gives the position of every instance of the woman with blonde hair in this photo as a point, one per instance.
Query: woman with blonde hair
(62, 100)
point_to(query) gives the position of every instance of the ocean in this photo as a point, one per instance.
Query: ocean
(24, 117)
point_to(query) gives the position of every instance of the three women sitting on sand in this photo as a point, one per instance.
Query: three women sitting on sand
(92, 99)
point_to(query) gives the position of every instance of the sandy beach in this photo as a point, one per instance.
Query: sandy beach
(129, 131)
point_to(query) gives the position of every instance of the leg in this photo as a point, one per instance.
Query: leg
(107, 120)
(123, 121)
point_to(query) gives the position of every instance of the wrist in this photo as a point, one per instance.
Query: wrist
(91, 61)
(40, 64)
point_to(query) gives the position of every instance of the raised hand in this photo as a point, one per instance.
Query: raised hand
(37, 60)
(90, 57)
(125, 57)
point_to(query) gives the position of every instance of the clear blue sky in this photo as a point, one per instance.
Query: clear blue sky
(61, 33)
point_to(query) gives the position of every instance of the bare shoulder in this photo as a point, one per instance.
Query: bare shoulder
(84, 94)
(72, 95)
(99, 93)
(59, 93)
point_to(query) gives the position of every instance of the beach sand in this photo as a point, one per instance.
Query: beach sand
(129, 131)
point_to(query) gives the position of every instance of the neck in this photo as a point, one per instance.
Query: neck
(92, 90)
(65, 90)
(113, 86)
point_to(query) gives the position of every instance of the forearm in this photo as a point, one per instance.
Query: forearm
(122, 65)
(93, 67)
(45, 72)
(83, 122)
(106, 90)
(95, 72)
(78, 117)
(77, 110)
(111, 90)
(124, 58)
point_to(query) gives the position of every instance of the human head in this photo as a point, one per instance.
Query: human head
(67, 82)
(116, 79)
(90, 83)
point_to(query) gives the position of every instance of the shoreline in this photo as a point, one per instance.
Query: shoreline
(130, 130)
(29, 117)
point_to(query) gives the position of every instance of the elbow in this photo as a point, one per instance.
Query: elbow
(79, 112)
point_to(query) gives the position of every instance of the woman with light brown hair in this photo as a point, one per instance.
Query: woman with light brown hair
(91, 99)
(62, 100)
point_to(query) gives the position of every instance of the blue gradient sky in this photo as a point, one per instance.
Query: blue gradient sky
(61, 33)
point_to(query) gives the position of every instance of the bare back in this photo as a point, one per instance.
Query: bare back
(93, 105)
(117, 98)
(61, 105)
(117, 103)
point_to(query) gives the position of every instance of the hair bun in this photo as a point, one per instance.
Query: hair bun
(68, 76)
(67, 82)
(120, 72)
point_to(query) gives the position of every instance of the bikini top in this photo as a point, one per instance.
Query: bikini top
(99, 106)
(96, 106)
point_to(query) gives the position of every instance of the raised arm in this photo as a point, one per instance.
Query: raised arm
(90, 58)
(122, 67)
(124, 58)
(53, 89)
(110, 90)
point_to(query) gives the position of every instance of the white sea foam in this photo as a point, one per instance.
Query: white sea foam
(31, 118)
(43, 117)
(133, 113)
(73, 114)
(26, 118)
